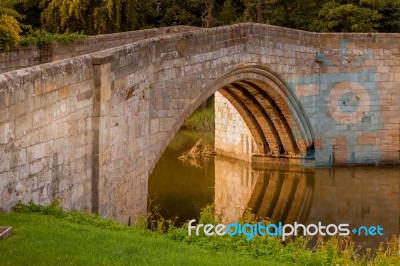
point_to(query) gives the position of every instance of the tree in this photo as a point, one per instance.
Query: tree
(207, 17)
(107, 16)
(334, 17)
(229, 13)
(184, 12)
(301, 13)
(379, 4)
(98, 16)
(10, 28)
(176, 14)
(286, 13)
(391, 20)
(74, 15)
(390, 10)
(124, 15)
(253, 11)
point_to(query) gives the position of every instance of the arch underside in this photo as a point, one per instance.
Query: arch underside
(273, 114)
(269, 117)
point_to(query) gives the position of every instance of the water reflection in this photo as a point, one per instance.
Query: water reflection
(279, 194)
(178, 189)
(358, 196)
(355, 195)
(283, 196)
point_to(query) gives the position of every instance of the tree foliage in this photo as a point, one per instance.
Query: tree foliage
(95, 17)
(9, 32)
(104, 16)
(380, 4)
(107, 16)
(123, 15)
(229, 13)
(10, 28)
(346, 18)
(74, 15)
(391, 20)
(180, 12)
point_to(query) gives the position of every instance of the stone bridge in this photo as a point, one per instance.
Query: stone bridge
(88, 130)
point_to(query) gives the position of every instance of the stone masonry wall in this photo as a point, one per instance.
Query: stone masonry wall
(352, 99)
(106, 41)
(46, 135)
(19, 58)
(232, 136)
(22, 57)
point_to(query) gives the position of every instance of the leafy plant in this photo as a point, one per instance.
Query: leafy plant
(10, 28)
(42, 38)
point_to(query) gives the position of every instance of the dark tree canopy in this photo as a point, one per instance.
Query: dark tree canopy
(107, 16)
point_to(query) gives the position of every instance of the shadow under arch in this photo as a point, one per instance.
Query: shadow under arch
(271, 110)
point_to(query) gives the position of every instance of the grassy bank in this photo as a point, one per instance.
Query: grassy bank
(79, 239)
(49, 236)
(296, 251)
(203, 119)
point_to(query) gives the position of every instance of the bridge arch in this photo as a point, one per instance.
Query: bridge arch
(272, 112)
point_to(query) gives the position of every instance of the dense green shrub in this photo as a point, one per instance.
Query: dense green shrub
(42, 38)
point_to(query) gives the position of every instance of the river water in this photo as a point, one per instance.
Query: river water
(358, 196)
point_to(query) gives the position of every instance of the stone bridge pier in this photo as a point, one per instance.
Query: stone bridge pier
(88, 130)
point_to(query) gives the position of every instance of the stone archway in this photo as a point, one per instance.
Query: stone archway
(269, 108)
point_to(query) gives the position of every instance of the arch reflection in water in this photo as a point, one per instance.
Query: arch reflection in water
(358, 196)
(354, 195)
(283, 195)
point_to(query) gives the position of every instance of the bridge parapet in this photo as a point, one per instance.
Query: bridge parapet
(22, 57)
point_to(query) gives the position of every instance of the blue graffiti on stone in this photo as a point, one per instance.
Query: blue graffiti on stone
(343, 104)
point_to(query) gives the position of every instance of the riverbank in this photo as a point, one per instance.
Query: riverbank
(81, 239)
(47, 235)
(203, 119)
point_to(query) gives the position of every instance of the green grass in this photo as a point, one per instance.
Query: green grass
(50, 236)
(296, 251)
(47, 240)
(202, 119)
